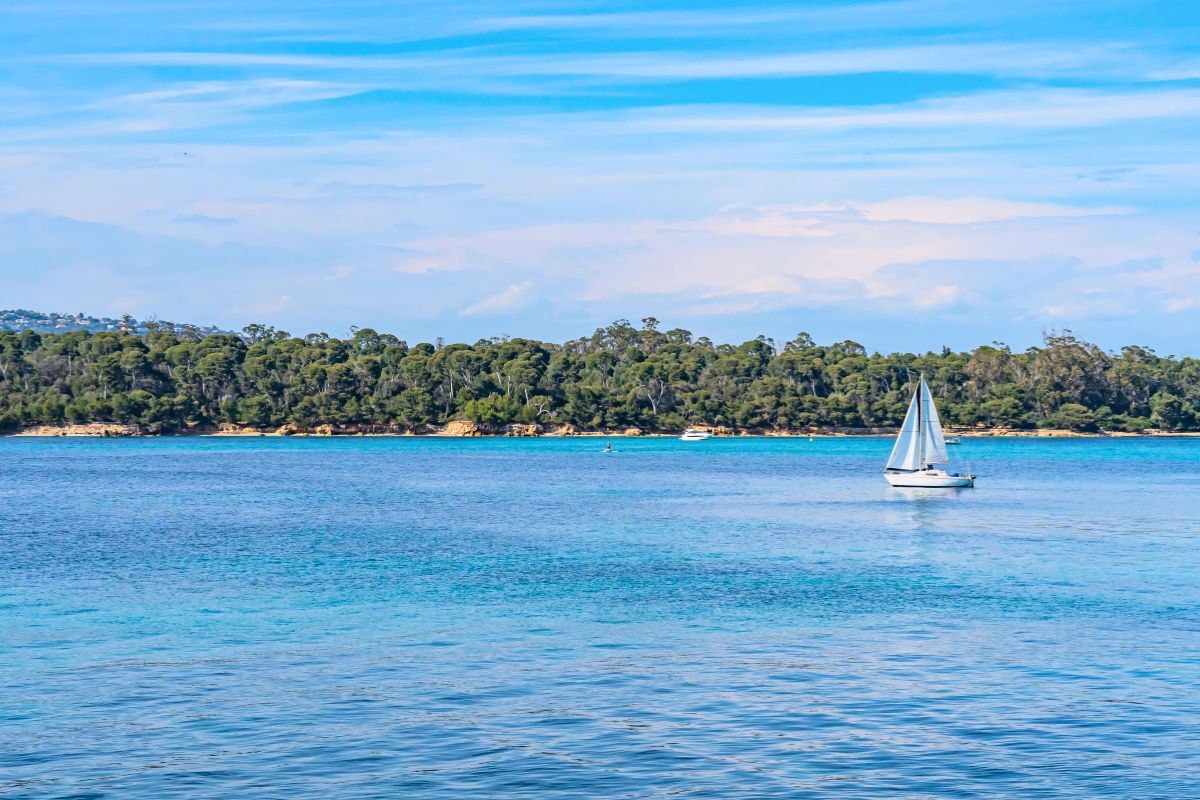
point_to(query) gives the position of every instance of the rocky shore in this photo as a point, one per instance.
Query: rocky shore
(467, 428)
(103, 429)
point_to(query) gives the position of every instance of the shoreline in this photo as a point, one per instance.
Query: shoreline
(466, 430)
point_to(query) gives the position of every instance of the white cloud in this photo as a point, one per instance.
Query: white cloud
(512, 297)
(967, 210)
(1016, 258)
(767, 221)
(943, 295)
(802, 220)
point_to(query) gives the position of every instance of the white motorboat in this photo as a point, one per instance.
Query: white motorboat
(695, 435)
(920, 448)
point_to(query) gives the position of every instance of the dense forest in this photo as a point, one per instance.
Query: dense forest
(171, 379)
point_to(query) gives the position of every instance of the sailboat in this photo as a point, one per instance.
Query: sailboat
(920, 448)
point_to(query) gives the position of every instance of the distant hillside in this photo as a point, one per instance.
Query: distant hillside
(20, 319)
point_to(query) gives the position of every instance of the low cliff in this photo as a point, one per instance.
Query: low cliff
(85, 429)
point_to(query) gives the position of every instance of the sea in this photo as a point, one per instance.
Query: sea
(537, 618)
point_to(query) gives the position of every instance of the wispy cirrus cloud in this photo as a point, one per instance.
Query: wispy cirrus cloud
(853, 16)
(179, 106)
(1041, 108)
(251, 93)
(1018, 60)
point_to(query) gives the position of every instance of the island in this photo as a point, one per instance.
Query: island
(163, 379)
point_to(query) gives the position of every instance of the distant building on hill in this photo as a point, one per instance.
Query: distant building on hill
(20, 319)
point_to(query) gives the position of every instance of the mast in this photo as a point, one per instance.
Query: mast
(920, 427)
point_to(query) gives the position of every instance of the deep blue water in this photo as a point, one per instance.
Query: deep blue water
(412, 618)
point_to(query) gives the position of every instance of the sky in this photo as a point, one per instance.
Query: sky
(909, 174)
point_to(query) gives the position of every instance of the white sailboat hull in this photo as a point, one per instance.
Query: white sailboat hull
(930, 478)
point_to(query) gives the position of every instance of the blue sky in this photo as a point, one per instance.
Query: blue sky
(908, 174)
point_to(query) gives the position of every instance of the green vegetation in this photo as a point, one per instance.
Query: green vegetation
(169, 380)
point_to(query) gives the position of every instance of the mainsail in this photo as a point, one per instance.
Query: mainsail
(906, 454)
(920, 442)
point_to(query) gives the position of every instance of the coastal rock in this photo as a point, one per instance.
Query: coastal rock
(716, 430)
(462, 427)
(566, 429)
(633, 432)
(323, 430)
(290, 429)
(520, 429)
(230, 429)
(367, 429)
(86, 429)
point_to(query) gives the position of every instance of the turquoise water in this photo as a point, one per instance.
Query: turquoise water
(353, 618)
